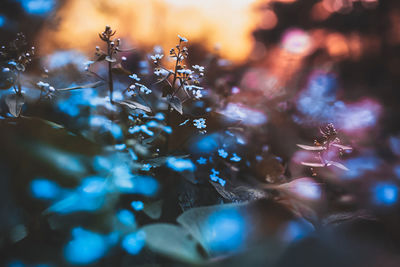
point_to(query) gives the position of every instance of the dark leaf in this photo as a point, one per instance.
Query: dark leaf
(7, 78)
(166, 90)
(90, 85)
(118, 69)
(346, 217)
(101, 57)
(134, 105)
(175, 103)
(153, 209)
(15, 103)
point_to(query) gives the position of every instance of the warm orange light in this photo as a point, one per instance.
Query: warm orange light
(319, 12)
(337, 45)
(147, 23)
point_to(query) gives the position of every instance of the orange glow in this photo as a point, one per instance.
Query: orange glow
(226, 23)
(337, 45)
(319, 12)
(268, 20)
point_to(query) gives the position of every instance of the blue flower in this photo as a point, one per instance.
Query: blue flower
(137, 205)
(222, 153)
(141, 128)
(179, 164)
(146, 167)
(214, 177)
(202, 161)
(235, 158)
(135, 77)
(200, 123)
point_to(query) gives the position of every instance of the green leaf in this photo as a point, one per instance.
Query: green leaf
(15, 103)
(174, 242)
(175, 103)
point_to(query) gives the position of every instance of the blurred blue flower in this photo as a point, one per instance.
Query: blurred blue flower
(126, 217)
(38, 7)
(385, 193)
(45, 189)
(2, 20)
(137, 205)
(134, 242)
(85, 247)
(179, 164)
(225, 231)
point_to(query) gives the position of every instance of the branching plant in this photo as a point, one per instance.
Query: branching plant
(17, 55)
(329, 141)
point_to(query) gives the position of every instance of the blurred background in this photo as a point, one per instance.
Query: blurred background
(285, 67)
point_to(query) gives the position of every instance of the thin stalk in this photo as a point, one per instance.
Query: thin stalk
(110, 77)
(19, 83)
(168, 119)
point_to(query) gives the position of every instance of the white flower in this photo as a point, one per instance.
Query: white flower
(143, 88)
(186, 71)
(200, 123)
(157, 57)
(42, 84)
(135, 77)
(182, 39)
(197, 94)
(199, 68)
(160, 72)
(191, 87)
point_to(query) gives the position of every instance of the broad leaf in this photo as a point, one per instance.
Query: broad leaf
(174, 242)
(175, 103)
(197, 222)
(15, 103)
